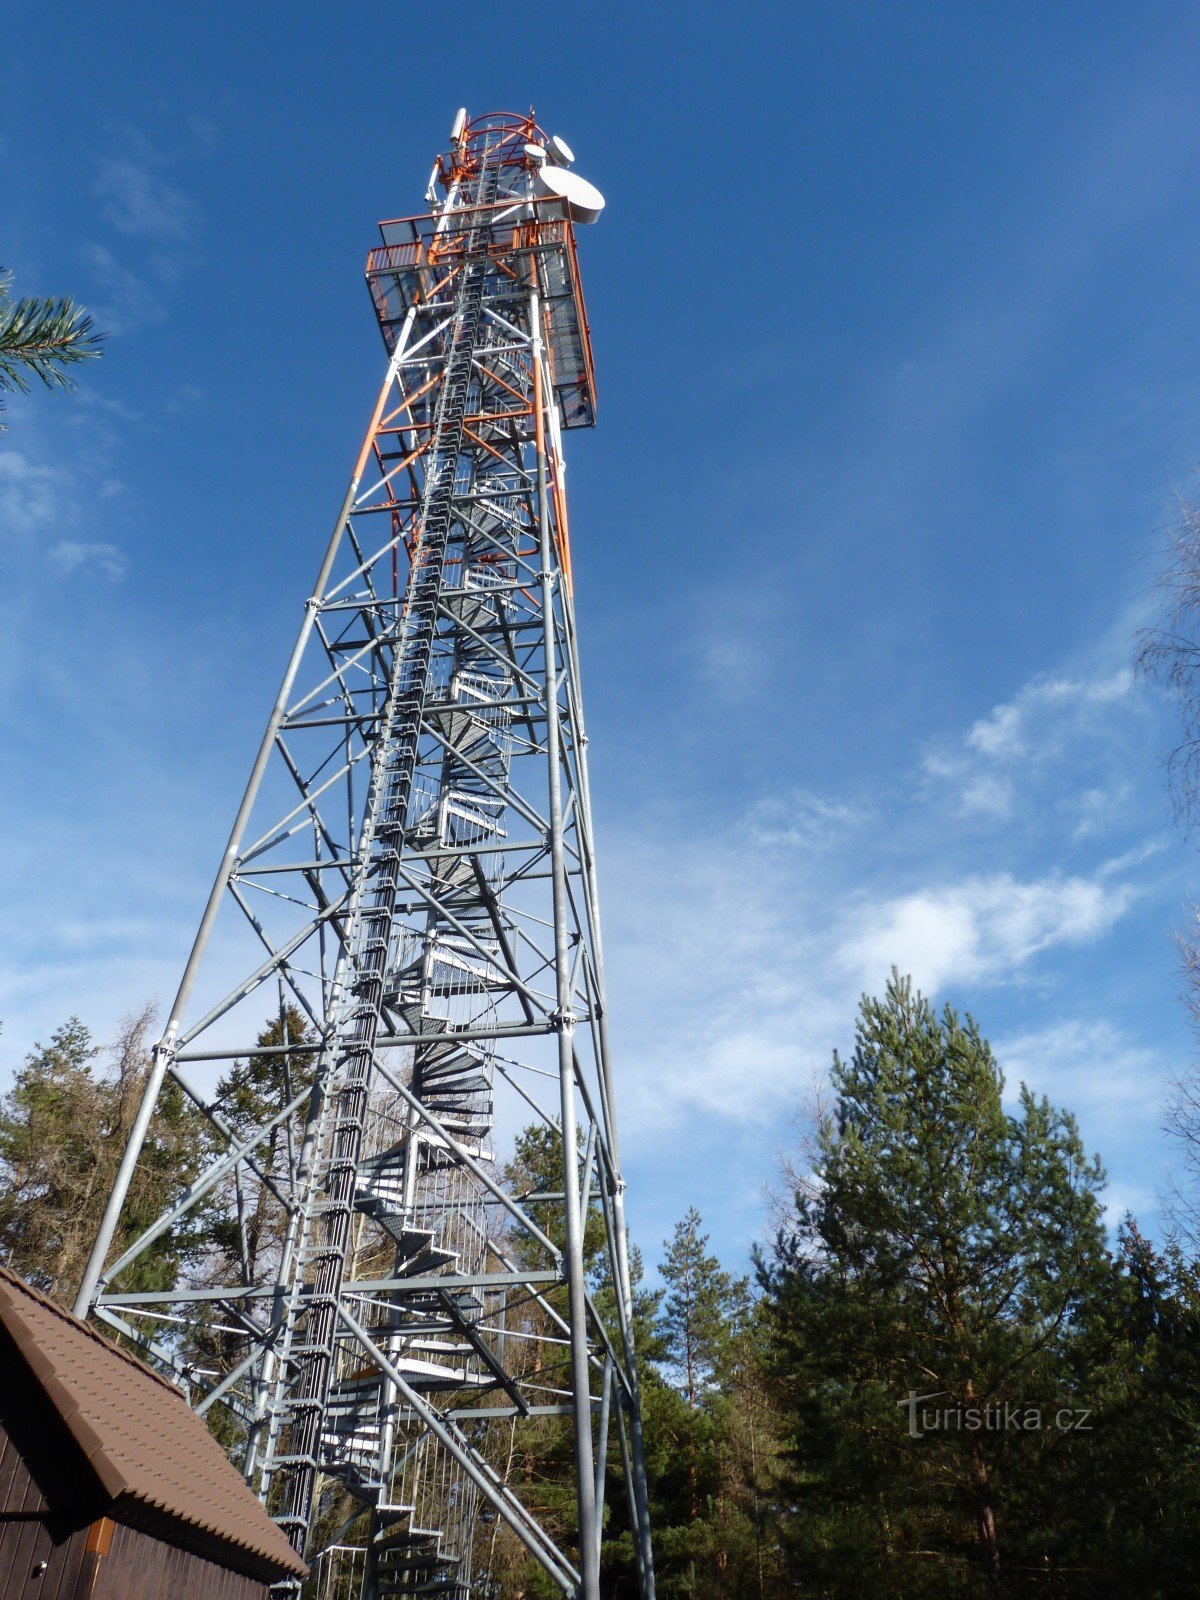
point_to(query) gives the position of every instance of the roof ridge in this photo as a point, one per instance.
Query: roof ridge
(18, 1282)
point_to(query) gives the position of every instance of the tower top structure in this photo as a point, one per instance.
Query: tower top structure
(531, 223)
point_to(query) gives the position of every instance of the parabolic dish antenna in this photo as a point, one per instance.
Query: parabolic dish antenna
(560, 151)
(583, 200)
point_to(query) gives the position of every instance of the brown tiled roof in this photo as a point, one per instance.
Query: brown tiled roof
(153, 1455)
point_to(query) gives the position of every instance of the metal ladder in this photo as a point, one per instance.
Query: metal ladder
(325, 1237)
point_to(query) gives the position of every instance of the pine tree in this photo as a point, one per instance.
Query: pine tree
(942, 1248)
(703, 1309)
(536, 1454)
(63, 1127)
(703, 1500)
(1124, 1510)
(50, 1160)
(746, 1548)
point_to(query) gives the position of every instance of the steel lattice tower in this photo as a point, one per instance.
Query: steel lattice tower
(409, 890)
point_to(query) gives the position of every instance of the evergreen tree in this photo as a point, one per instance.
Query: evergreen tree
(63, 1127)
(703, 1309)
(50, 1159)
(707, 1429)
(942, 1249)
(536, 1454)
(744, 1516)
(1121, 1515)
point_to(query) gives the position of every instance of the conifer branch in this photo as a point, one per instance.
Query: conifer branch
(42, 338)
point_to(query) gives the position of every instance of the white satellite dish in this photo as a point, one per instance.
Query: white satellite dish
(536, 153)
(560, 151)
(583, 200)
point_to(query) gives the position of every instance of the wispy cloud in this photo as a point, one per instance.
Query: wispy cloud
(54, 519)
(1093, 811)
(984, 929)
(88, 401)
(127, 300)
(994, 326)
(721, 1011)
(991, 769)
(139, 202)
(1042, 707)
(32, 494)
(147, 211)
(801, 819)
(767, 928)
(732, 641)
(1116, 1084)
(71, 555)
(749, 974)
(1121, 1080)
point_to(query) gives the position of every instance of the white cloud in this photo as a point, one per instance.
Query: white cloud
(765, 931)
(86, 400)
(985, 792)
(127, 300)
(732, 641)
(745, 1075)
(54, 521)
(730, 997)
(984, 929)
(1041, 708)
(69, 555)
(1135, 1198)
(31, 494)
(801, 818)
(140, 203)
(154, 217)
(1094, 810)
(1114, 1085)
(1032, 739)
(736, 666)
(724, 1007)
(998, 734)
(1090, 1067)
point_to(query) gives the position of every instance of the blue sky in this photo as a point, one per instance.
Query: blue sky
(896, 327)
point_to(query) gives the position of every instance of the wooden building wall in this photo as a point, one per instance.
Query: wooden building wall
(24, 1546)
(20, 1495)
(137, 1566)
(26, 1541)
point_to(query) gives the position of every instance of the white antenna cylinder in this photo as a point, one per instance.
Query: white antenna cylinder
(460, 122)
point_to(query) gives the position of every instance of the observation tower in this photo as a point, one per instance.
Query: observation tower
(402, 1259)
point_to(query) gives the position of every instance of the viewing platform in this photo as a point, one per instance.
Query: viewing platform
(533, 243)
